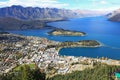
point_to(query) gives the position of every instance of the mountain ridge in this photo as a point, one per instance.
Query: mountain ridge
(17, 17)
(37, 13)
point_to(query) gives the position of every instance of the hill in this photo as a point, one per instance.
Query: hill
(8, 23)
(100, 72)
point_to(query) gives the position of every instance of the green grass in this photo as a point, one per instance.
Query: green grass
(32, 66)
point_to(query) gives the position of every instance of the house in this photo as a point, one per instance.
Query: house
(63, 70)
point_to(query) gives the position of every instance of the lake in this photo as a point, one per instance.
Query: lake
(97, 28)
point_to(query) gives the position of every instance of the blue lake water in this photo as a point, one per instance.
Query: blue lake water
(97, 28)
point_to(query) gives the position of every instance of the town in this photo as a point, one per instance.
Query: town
(18, 50)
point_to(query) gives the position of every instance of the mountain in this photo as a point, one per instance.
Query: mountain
(17, 17)
(114, 16)
(36, 13)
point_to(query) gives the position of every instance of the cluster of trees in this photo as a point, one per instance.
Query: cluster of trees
(100, 72)
(84, 43)
(25, 73)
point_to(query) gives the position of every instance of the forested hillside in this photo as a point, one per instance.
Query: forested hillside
(100, 72)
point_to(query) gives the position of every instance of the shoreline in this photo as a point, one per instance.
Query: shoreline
(79, 47)
(73, 45)
(49, 27)
(36, 45)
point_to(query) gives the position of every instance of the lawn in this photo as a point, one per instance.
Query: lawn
(32, 66)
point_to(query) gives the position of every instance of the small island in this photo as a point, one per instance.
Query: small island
(62, 32)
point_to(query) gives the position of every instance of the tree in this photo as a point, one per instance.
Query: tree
(25, 73)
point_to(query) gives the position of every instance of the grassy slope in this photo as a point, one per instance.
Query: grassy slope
(32, 66)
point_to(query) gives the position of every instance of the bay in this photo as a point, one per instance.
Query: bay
(97, 28)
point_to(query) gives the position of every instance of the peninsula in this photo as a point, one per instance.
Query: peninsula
(82, 43)
(62, 32)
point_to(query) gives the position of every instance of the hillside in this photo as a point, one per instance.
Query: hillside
(33, 13)
(8, 23)
(114, 16)
(17, 17)
(100, 72)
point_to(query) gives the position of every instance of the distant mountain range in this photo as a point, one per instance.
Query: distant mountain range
(17, 17)
(114, 16)
(36, 13)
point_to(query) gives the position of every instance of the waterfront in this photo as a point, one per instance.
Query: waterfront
(97, 28)
(17, 50)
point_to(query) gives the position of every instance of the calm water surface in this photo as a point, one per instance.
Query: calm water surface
(97, 28)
